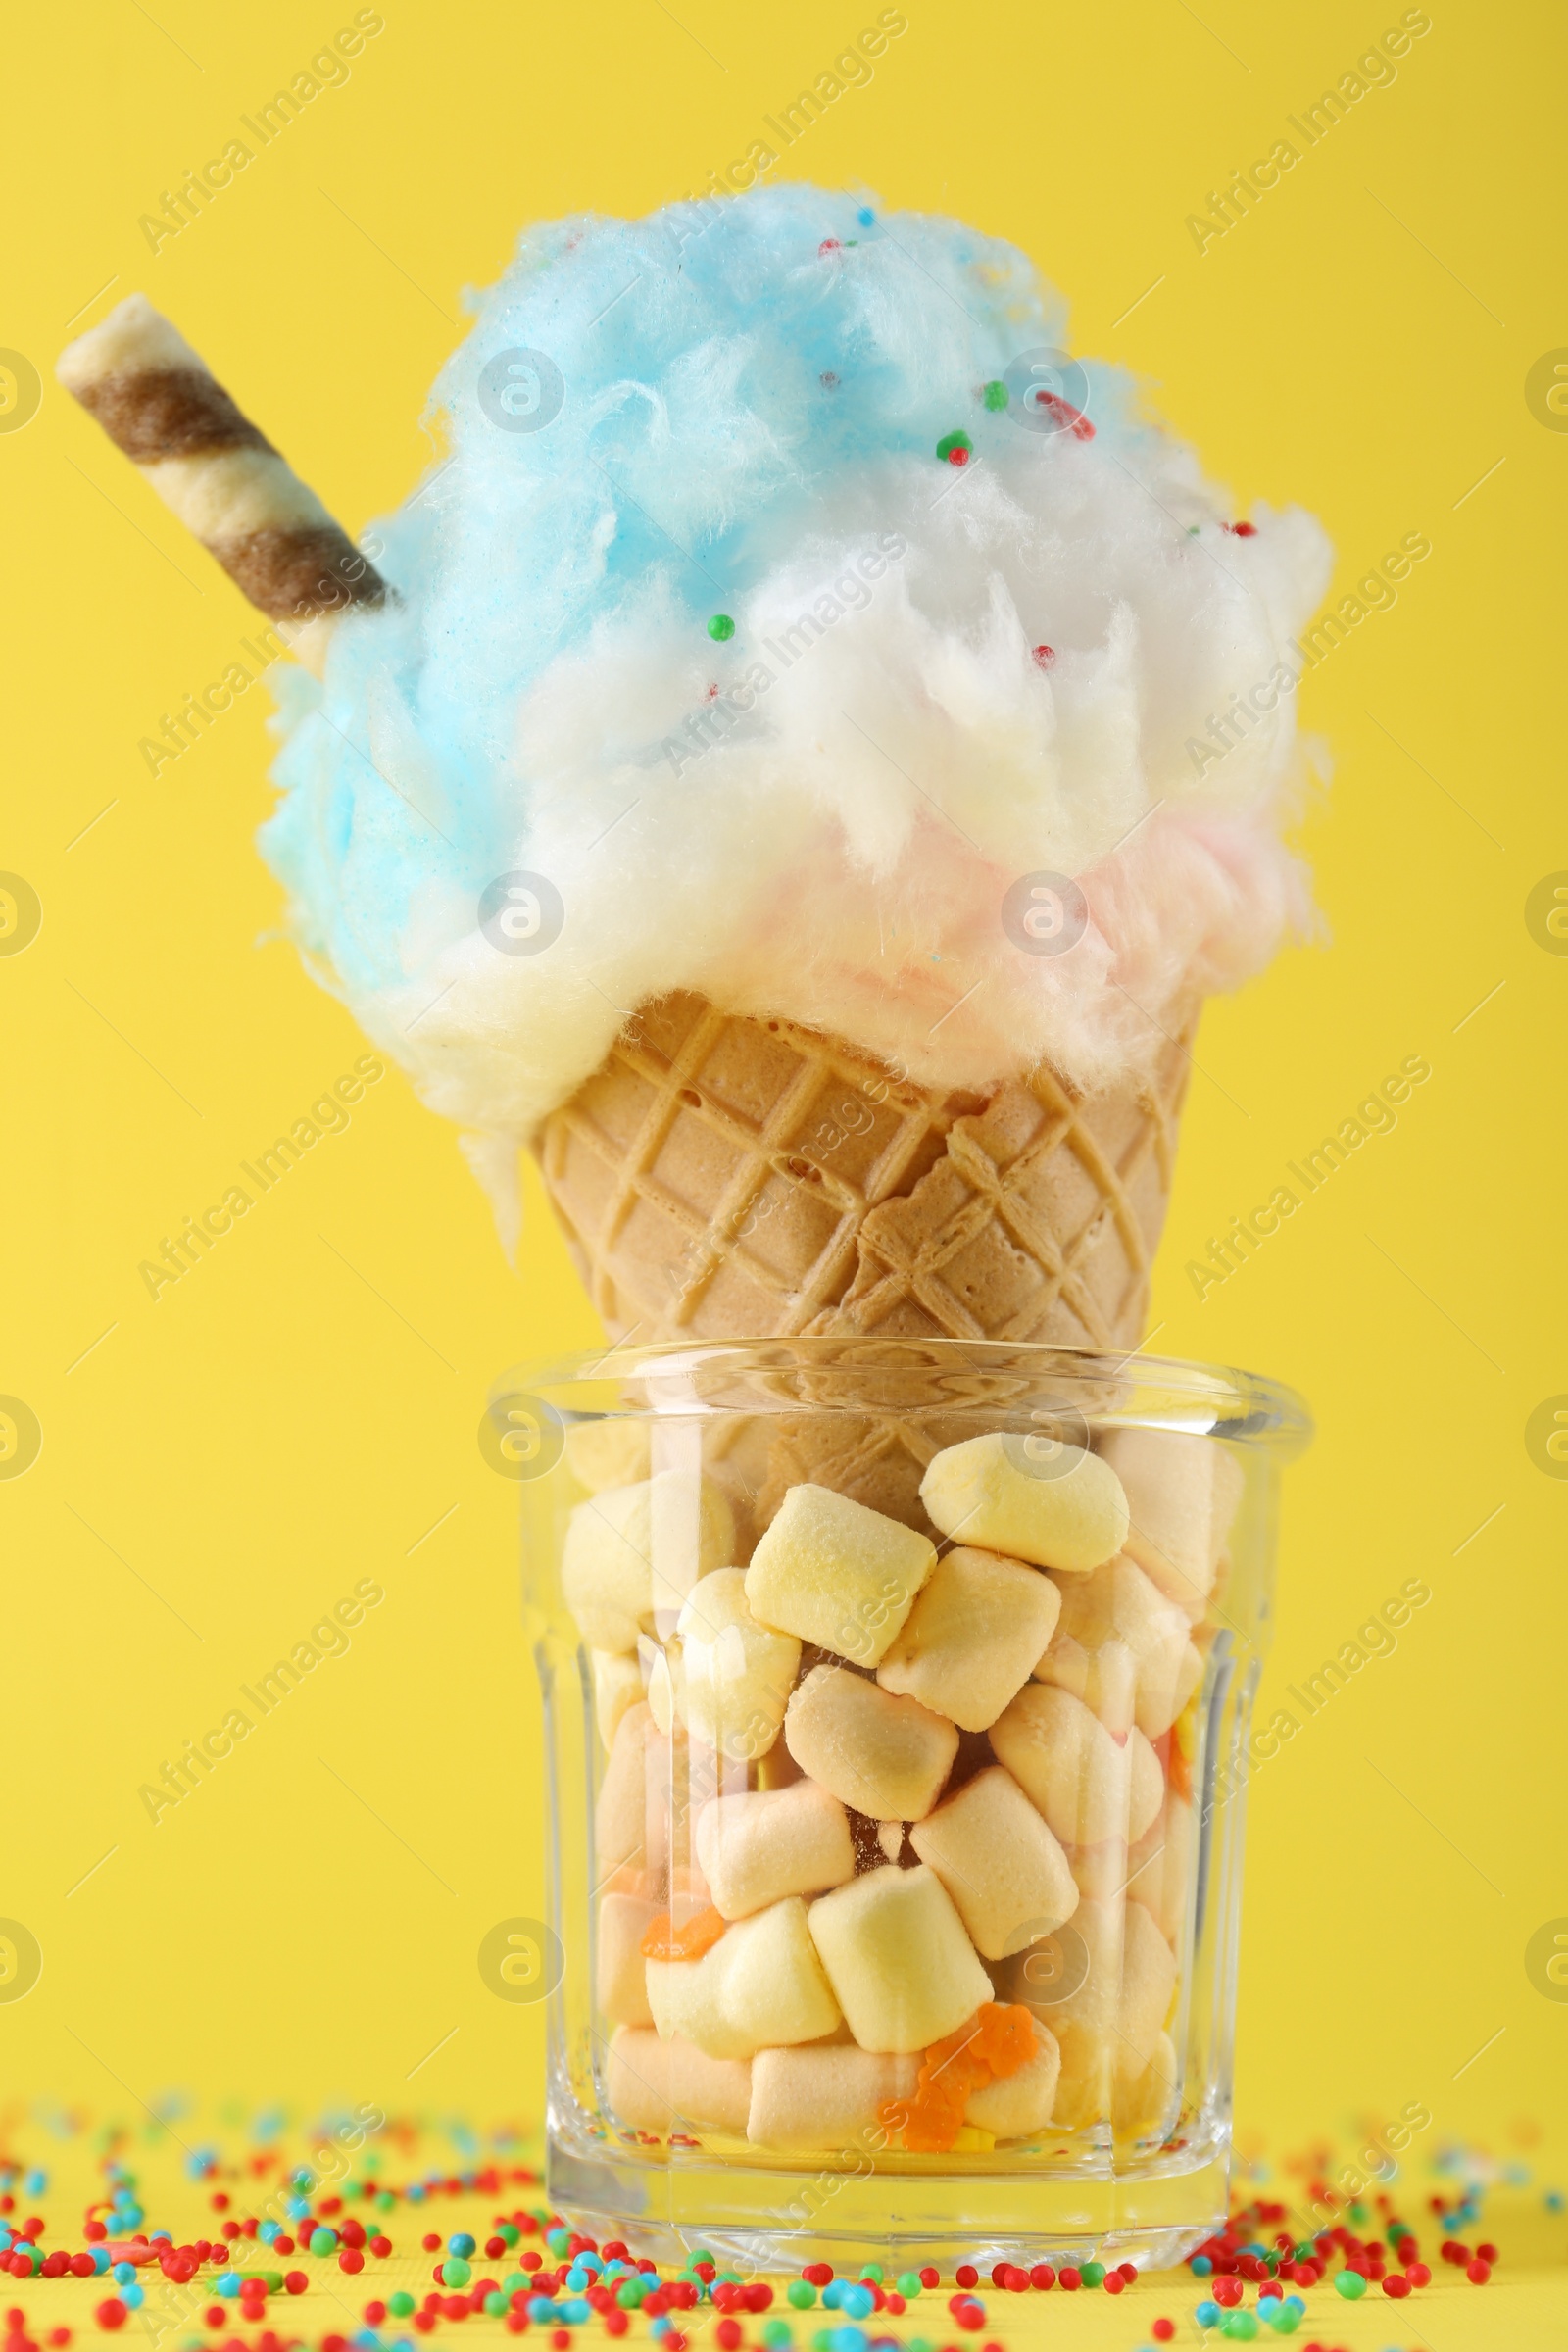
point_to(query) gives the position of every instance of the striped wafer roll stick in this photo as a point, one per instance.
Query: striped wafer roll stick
(163, 406)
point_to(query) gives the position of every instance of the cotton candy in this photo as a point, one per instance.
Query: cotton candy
(818, 816)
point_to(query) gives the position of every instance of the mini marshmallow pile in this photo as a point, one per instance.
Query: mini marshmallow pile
(853, 1791)
(703, 623)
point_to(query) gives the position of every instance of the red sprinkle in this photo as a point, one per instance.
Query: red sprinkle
(1477, 2271)
(1070, 2278)
(958, 457)
(295, 2281)
(1041, 2276)
(1163, 2330)
(112, 2313)
(965, 2275)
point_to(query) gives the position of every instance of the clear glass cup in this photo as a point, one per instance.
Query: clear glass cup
(896, 1701)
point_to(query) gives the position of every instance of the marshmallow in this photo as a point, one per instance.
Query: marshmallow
(756, 1849)
(1148, 2102)
(976, 1629)
(883, 1756)
(658, 1666)
(827, 2098)
(634, 1549)
(1005, 1871)
(620, 1810)
(1161, 1868)
(618, 1686)
(837, 1574)
(1089, 1784)
(1020, 2103)
(1033, 1496)
(610, 1452)
(898, 1959)
(736, 1675)
(1124, 1648)
(654, 2085)
(761, 1985)
(1109, 2025)
(619, 1973)
(1182, 1492)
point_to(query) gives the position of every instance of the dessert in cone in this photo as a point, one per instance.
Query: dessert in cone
(779, 1026)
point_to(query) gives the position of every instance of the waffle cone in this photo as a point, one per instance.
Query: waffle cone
(721, 1177)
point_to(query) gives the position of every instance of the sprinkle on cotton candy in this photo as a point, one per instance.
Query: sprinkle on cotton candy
(779, 703)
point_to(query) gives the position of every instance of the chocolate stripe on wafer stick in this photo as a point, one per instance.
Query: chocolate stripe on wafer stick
(164, 408)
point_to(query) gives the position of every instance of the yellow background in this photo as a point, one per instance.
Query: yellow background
(221, 1466)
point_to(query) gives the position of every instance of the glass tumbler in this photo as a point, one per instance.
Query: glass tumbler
(895, 1699)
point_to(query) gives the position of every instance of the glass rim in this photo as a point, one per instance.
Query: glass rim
(679, 1378)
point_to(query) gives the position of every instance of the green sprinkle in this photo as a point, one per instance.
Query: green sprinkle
(1093, 2273)
(496, 2306)
(559, 2242)
(323, 2242)
(801, 2293)
(1359, 2213)
(908, 2285)
(874, 2270)
(1351, 2285)
(384, 2200)
(629, 2293)
(509, 2233)
(721, 628)
(400, 2305)
(951, 441)
(1240, 2324)
(778, 2334)
(994, 394)
(455, 2272)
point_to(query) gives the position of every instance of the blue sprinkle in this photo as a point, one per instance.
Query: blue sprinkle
(575, 2310)
(124, 2272)
(133, 2295)
(1200, 2266)
(1208, 2315)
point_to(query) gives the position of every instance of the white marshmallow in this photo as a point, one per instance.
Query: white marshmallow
(827, 2098)
(1019, 2104)
(1109, 2025)
(654, 2085)
(1162, 1867)
(996, 1857)
(612, 1452)
(1032, 1496)
(1182, 1493)
(977, 1627)
(736, 1675)
(882, 1755)
(633, 1550)
(1124, 1648)
(620, 1972)
(1089, 1786)
(761, 1985)
(897, 1958)
(756, 1849)
(1148, 2102)
(620, 1810)
(834, 1573)
(618, 1686)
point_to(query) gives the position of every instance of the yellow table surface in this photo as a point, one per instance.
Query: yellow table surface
(1524, 2306)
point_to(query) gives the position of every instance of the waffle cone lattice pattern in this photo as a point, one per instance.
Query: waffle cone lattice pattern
(727, 1178)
